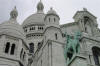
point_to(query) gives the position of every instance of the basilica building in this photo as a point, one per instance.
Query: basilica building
(41, 41)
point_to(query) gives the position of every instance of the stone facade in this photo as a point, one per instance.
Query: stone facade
(41, 40)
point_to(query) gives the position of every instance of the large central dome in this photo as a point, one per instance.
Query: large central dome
(37, 18)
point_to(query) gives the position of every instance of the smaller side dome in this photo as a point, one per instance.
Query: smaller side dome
(52, 12)
(51, 18)
(13, 13)
(40, 7)
(11, 27)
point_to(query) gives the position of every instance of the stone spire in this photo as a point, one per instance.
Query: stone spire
(13, 13)
(84, 9)
(40, 7)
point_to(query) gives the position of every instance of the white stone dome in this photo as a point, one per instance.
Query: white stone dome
(51, 11)
(37, 18)
(12, 28)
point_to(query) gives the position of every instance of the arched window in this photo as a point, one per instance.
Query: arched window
(34, 27)
(21, 53)
(24, 56)
(31, 47)
(41, 62)
(56, 36)
(54, 20)
(39, 45)
(86, 18)
(86, 29)
(12, 49)
(25, 30)
(30, 28)
(7, 47)
(42, 28)
(38, 27)
(87, 24)
(49, 19)
(96, 55)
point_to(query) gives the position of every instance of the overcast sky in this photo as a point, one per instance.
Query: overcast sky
(65, 8)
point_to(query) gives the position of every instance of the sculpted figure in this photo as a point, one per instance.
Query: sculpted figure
(72, 45)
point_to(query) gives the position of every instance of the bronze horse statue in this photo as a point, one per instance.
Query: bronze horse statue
(72, 45)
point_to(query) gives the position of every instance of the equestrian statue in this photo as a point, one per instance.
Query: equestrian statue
(72, 45)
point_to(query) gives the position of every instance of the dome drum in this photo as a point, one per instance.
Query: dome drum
(51, 14)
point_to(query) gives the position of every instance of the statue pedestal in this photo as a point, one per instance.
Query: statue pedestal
(78, 61)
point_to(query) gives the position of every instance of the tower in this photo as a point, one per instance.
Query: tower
(52, 18)
(13, 46)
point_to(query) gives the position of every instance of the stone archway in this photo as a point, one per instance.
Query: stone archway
(96, 55)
